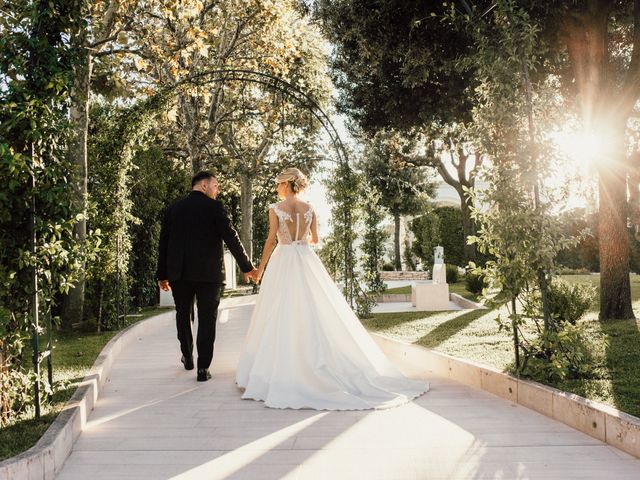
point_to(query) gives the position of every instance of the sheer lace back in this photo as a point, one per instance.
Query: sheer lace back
(293, 225)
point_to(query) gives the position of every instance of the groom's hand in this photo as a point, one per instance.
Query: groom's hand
(164, 285)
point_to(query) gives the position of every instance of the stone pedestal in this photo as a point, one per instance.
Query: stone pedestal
(429, 296)
(439, 273)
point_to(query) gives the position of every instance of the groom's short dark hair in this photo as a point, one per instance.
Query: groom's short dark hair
(203, 175)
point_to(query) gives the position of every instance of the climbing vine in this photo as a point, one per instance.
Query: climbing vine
(115, 135)
(35, 200)
(373, 240)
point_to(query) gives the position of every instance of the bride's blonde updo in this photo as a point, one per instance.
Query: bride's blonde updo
(297, 180)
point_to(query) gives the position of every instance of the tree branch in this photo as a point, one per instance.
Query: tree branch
(115, 51)
(108, 21)
(111, 38)
(447, 177)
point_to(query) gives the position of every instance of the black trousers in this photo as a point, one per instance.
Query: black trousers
(207, 296)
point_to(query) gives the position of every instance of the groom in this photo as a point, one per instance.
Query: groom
(191, 265)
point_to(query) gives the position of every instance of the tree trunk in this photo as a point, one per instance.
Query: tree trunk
(246, 206)
(396, 242)
(463, 180)
(189, 108)
(73, 305)
(615, 288)
(468, 229)
(586, 35)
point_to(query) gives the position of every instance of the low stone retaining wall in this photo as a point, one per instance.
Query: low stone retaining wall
(465, 302)
(394, 297)
(600, 421)
(386, 276)
(45, 459)
(406, 297)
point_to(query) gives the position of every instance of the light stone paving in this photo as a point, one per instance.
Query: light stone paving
(154, 421)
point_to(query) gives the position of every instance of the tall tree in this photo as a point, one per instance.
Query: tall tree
(396, 64)
(465, 162)
(97, 26)
(602, 39)
(389, 166)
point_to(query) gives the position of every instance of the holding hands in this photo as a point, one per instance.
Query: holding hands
(254, 275)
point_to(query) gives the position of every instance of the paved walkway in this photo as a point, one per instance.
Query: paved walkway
(154, 421)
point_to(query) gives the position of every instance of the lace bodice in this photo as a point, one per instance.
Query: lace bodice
(291, 228)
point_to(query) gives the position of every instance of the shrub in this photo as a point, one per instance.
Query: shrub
(573, 271)
(16, 396)
(474, 282)
(570, 354)
(365, 301)
(569, 301)
(452, 273)
(562, 351)
(388, 267)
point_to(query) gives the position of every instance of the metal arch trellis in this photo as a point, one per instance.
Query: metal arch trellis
(301, 97)
(277, 83)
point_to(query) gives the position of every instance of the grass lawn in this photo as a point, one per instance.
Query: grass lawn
(473, 334)
(73, 356)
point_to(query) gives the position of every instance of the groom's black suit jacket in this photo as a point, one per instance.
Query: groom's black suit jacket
(191, 238)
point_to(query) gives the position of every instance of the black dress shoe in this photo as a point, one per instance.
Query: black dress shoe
(187, 362)
(203, 374)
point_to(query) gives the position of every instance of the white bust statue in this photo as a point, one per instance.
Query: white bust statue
(438, 255)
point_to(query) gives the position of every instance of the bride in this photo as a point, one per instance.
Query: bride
(305, 348)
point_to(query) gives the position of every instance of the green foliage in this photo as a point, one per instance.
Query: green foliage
(452, 273)
(426, 231)
(16, 394)
(585, 255)
(569, 301)
(474, 282)
(35, 67)
(372, 250)
(156, 181)
(388, 163)
(441, 226)
(338, 253)
(410, 258)
(396, 62)
(113, 134)
(561, 349)
(558, 354)
(516, 224)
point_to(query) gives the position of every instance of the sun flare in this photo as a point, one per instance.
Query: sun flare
(579, 154)
(582, 148)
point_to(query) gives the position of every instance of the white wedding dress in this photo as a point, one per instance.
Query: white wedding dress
(305, 347)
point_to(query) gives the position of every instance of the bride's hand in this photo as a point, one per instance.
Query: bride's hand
(259, 275)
